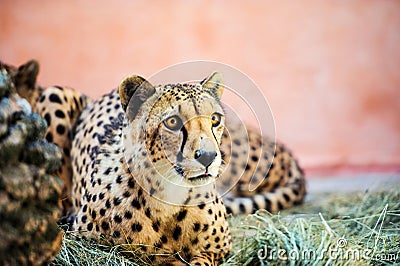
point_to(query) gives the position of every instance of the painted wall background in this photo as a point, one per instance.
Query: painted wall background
(329, 69)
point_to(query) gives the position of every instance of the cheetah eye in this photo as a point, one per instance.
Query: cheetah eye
(216, 119)
(173, 122)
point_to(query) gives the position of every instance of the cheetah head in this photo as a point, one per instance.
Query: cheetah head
(178, 127)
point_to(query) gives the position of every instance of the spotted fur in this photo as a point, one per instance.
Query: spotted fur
(260, 173)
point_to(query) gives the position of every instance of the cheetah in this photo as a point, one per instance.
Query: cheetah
(134, 182)
(60, 106)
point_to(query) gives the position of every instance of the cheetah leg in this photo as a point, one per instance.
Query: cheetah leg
(204, 259)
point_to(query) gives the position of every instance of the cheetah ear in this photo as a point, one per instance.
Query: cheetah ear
(27, 74)
(25, 79)
(134, 91)
(214, 83)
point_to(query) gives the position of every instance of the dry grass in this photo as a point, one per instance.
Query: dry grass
(348, 229)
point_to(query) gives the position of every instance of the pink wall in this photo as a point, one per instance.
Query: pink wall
(329, 69)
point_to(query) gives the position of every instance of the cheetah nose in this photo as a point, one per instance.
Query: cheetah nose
(205, 157)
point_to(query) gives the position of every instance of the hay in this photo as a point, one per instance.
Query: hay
(347, 229)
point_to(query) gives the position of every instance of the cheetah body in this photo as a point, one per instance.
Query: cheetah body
(126, 184)
(119, 192)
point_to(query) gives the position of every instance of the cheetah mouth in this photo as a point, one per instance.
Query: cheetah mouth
(200, 177)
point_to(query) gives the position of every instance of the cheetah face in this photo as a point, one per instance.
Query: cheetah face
(190, 134)
(183, 125)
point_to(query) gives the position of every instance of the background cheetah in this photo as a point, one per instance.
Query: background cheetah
(60, 107)
(247, 163)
